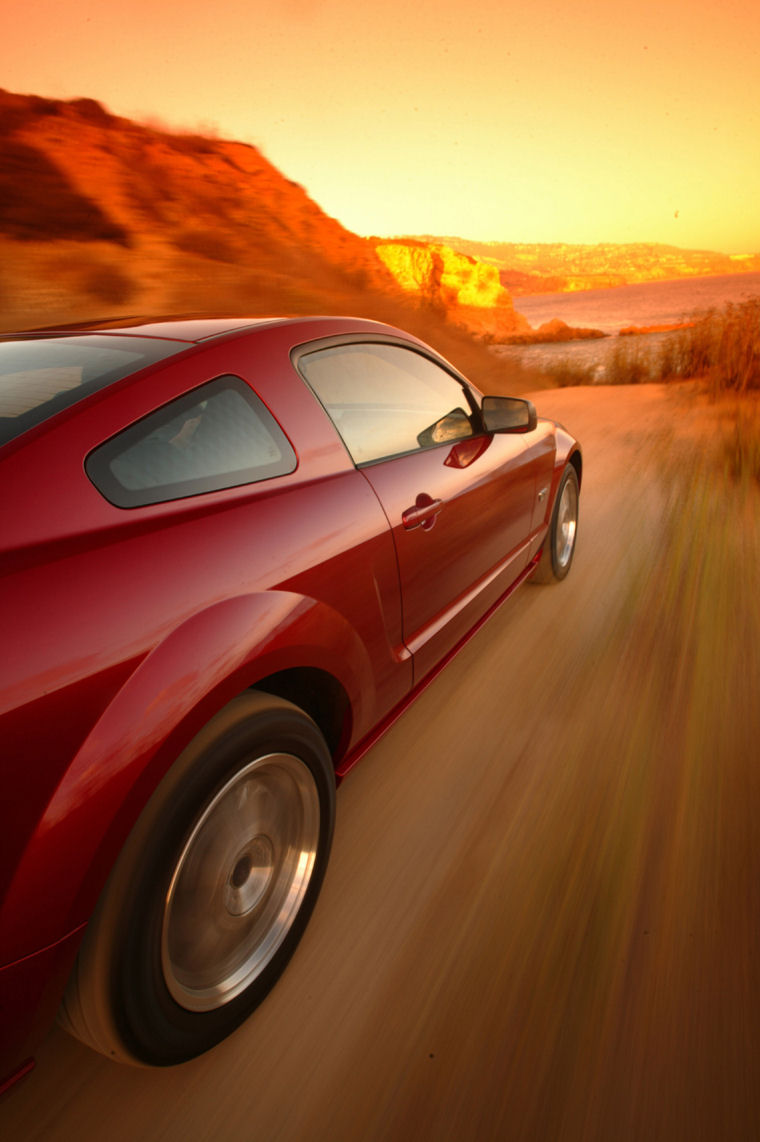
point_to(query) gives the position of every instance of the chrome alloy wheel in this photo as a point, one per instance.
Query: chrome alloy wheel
(567, 523)
(240, 881)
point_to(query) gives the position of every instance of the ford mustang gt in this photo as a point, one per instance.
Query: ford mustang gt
(232, 553)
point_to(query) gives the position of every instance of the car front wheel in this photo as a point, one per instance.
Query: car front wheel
(213, 890)
(559, 546)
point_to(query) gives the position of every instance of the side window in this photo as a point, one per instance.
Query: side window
(386, 401)
(218, 436)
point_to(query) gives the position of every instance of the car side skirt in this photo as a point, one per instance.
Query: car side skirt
(366, 744)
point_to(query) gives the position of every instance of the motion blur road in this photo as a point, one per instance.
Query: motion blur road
(541, 915)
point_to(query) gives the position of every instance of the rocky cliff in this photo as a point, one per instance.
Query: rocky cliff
(465, 288)
(101, 216)
(100, 213)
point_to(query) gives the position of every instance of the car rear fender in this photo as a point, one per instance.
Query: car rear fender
(149, 721)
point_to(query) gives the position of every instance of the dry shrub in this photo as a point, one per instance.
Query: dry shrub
(151, 190)
(107, 283)
(18, 111)
(89, 110)
(723, 346)
(737, 359)
(552, 332)
(691, 351)
(568, 374)
(37, 201)
(192, 144)
(207, 244)
(629, 364)
(668, 361)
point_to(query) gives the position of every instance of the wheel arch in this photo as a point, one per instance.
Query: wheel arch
(295, 648)
(568, 452)
(319, 694)
(576, 459)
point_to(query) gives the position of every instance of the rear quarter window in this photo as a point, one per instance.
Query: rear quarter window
(218, 436)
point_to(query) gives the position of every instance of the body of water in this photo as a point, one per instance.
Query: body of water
(610, 310)
(650, 303)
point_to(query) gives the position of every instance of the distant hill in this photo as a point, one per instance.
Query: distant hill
(529, 268)
(103, 216)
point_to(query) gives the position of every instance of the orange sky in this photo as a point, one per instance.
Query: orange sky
(543, 121)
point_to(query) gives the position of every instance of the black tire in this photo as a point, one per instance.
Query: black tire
(559, 546)
(212, 891)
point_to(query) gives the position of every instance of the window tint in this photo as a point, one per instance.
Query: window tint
(39, 376)
(385, 400)
(218, 436)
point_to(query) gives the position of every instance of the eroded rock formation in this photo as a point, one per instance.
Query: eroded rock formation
(467, 289)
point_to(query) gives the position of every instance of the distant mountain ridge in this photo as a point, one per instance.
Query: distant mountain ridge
(529, 268)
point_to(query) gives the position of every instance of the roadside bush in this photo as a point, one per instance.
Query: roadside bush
(191, 144)
(17, 111)
(207, 244)
(38, 203)
(568, 374)
(629, 364)
(737, 358)
(722, 345)
(690, 352)
(90, 110)
(108, 284)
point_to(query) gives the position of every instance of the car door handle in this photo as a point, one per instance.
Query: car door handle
(422, 514)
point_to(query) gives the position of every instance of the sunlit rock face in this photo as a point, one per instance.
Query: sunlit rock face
(467, 289)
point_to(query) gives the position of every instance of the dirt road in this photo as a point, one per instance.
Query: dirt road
(541, 918)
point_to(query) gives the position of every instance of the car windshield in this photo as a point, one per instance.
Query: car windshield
(41, 376)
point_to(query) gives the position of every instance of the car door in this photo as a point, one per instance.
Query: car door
(459, 501)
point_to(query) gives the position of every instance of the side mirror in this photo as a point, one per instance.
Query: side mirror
(508, 414)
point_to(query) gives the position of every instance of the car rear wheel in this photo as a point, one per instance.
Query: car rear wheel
(213, 890)
(559, 547)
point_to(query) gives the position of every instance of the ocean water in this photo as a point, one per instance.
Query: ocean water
(651, 303)
(610, 310)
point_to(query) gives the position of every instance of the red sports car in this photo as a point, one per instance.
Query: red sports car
(233, 551)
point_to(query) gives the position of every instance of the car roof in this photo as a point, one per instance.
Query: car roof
(190, 329)
(109, 351)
